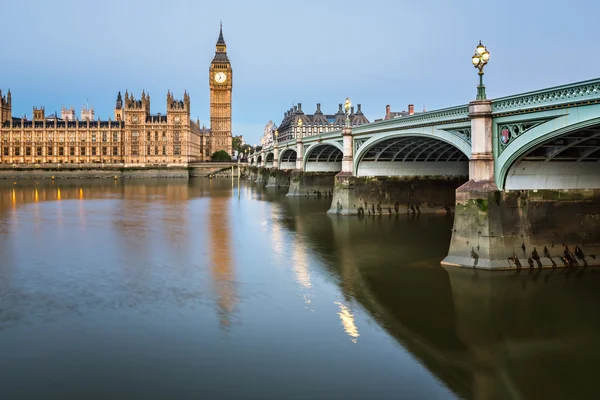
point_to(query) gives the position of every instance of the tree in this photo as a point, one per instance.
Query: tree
(258, 148)
(221, 155)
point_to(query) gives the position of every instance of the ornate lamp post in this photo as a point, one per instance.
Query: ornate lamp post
(347, 105)
(480, 60)
(276, 151)
(299, 146)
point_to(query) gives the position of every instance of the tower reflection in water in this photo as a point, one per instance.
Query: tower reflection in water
(223, 273)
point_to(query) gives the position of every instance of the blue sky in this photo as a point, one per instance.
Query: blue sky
(378, 52)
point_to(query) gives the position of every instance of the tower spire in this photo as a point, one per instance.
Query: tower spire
(221, 41)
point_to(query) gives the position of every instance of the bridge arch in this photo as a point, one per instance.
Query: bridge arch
(323, 157)
(413, 154)
(547, 158)
(259, 159)
(287, 158)
(269, 157)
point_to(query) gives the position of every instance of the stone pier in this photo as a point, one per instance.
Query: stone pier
(393, 195)
(311, 183)
(278, 178)
(525, 229)
(262, 176)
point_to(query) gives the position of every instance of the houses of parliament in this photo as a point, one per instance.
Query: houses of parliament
(133, 136)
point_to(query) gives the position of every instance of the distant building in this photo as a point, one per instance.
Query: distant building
(268, 135)
(314, 124)
(389, 114)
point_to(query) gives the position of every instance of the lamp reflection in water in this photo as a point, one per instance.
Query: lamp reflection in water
(302, 272)
(221, 263)
(347, 319)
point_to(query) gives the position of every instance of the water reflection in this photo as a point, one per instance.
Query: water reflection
(222, 269)
(147, 263)
(485, 335)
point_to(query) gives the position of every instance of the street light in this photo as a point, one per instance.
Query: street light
(480, 60)
(276, 134)
(347, 106)
(299, 128)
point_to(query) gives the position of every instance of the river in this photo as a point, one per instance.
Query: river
(210, 289)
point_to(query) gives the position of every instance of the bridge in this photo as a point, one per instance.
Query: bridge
(547, 139)
(523, 170)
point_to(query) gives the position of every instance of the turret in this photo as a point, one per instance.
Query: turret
(119, 107)
(5, 107)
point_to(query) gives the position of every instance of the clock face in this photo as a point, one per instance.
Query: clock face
(220, 77)
(177, 120)
(134, 119)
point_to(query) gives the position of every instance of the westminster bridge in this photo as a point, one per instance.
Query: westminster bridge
(525, 170)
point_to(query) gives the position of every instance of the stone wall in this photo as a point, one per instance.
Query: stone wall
(519, 229)
(353, 195)
(311, 183)
(91, 171)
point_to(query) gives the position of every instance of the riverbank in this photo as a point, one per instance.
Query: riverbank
(114, 171)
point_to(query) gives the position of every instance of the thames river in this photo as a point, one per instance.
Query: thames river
(208, 289)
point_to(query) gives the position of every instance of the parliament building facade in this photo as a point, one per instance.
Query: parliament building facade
(133, 136)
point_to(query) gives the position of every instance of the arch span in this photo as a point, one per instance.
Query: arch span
(413, 154)
(287, 158)
(566, 158)
(323, 157)
(269, 160)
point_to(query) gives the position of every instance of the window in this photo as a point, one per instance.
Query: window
(93, 151)
(82, 137)
(148, 136)
(71, 151)
(156, 136)
(38, 151)
(135, 135)
(104, 151)
(82, 151)
(164, 136)
(148, 150)
(115, 137)
(5, 150)
(134, 150)
(17, 151)
(176, 136)
(164, 152)
(27, 151)
(104, 137)
(50, 151)
(61, 151)
(156, 150)
(177, 150)
(93, 137)
(115, 151)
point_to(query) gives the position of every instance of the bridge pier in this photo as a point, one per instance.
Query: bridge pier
(525, 228)
(262, 176)
(311, 183)
(278, 178)
(393, 195)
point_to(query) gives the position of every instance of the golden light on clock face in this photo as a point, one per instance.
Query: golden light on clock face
(220, 77)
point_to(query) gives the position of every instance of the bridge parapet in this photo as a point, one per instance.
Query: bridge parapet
(539, 100)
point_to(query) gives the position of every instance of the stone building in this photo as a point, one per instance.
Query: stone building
(268, 135)
(135, 136)
(314, 124)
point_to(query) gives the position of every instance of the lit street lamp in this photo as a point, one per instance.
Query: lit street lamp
(480, 59)
(299, 133)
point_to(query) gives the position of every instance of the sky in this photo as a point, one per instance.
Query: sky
(377, 52)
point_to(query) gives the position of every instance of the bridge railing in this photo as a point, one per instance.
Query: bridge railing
(559, 95)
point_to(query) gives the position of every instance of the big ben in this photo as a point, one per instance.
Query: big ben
(220, 81)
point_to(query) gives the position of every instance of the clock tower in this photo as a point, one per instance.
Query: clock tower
(220, 80)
